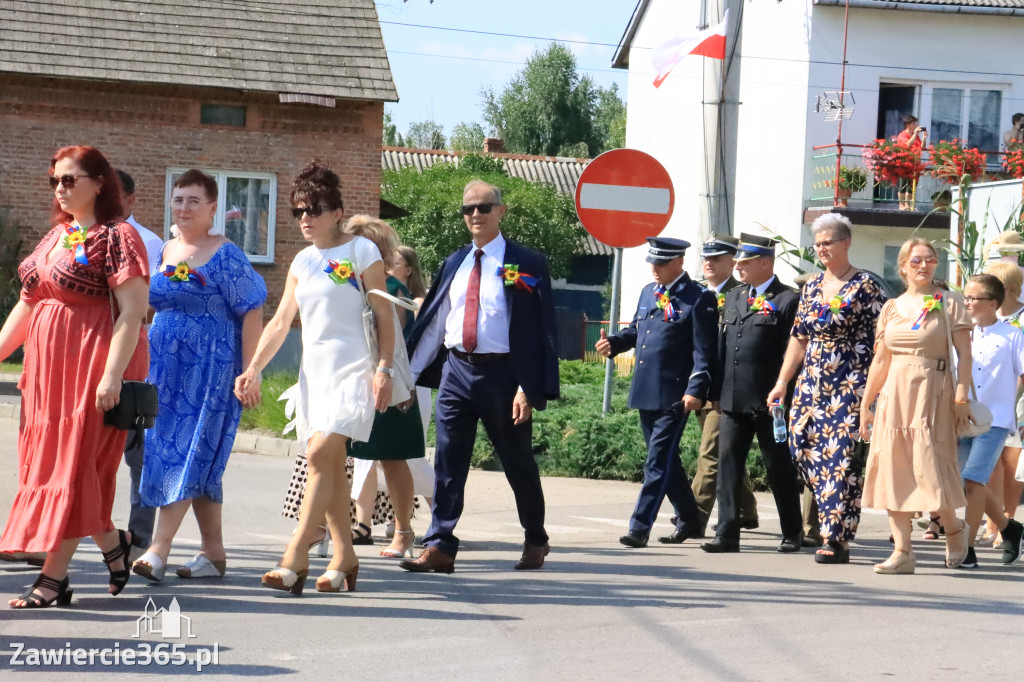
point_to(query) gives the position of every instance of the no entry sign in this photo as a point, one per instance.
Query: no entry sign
(623, 197)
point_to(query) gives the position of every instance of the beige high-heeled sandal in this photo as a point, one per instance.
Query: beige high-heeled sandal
(902, 566)
(954, 559)
(333, 581)
(397, 553)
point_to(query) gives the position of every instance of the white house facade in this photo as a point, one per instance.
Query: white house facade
(957, 66)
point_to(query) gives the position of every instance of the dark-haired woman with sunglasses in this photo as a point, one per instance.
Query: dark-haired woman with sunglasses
(83, 300)
(209, 311)
(339, 387)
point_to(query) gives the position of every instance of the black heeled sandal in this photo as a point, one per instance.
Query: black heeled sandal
(36, 601)
(118, 579)
(361, 535)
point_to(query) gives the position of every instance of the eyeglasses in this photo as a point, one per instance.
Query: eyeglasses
(827, 243)
(468, 209)
(915, 261)
(975, 299)
(68, 180)
(192, 203)
(313, 211)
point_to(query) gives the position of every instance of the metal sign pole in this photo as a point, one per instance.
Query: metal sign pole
(613, 326)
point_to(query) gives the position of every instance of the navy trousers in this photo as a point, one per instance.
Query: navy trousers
(469, 394)
(141, 519)
(664, 475)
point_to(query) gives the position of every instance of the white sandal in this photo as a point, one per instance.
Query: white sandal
(150, 566)
(201, 567)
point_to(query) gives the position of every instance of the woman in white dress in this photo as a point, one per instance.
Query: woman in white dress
(339, 388)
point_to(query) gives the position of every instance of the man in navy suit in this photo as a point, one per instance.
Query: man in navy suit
(486, 340)
(674, 332)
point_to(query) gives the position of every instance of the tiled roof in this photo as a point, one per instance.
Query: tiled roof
(559, 171)
(331, 48)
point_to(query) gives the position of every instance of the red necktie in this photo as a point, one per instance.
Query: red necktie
(472, 305)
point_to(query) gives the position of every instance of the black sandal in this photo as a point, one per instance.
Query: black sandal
(118, 579)
(361, 535)
(832, 553)
(36, 601)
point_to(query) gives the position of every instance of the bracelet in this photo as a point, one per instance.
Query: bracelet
(387, 371)
(959, 402)
(780, 382)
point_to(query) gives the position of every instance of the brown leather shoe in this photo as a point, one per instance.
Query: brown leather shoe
(432, 560)
(533, 557)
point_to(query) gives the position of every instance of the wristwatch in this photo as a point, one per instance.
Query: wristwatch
(390, 371)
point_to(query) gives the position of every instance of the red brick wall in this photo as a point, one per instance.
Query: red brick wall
(147, 129)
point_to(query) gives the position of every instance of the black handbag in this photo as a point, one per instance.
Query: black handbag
(137, 408)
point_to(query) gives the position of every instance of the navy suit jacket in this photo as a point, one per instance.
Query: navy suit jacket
(531, 335)
(673, 357)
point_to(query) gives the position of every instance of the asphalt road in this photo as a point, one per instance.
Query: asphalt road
(596, 611)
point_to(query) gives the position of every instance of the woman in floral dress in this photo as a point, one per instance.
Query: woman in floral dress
(833, 338)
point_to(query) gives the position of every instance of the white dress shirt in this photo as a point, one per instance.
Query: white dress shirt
(760, 289)
(492, 316)
(154, 244)
(998, 354)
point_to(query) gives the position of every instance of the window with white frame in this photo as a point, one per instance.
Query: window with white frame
(246, 206)
(971, 114)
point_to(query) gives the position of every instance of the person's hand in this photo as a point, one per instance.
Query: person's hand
(691, 404)
(381, 391)
(247, 387)
(108, 393)
(603, 346)
(777, 394)
(405, 405)
(961, 417)
(867, 420)
(716, 406)
(522, 410)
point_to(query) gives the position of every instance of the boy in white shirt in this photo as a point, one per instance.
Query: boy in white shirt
(997, 348)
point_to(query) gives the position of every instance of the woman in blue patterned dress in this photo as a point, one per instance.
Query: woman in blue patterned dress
(209, 310)
(833, 338)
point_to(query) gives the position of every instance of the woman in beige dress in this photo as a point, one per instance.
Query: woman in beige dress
(912, 463)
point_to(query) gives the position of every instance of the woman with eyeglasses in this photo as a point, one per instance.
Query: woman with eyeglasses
(340, 389)
(912, 465)
(83, 301)
(830, 348)
(209, 309)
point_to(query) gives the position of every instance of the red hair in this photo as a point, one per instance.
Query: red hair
(109, 202)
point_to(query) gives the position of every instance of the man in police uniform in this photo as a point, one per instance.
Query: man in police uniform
(675, 336)
(756, 323)
(718, 257)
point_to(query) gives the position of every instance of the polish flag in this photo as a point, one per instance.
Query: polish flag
(709, 43)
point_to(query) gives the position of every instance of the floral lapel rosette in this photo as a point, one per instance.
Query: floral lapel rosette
(720, 297)
(1015, 321)
(664, 302)
(760, 304)
(510, 274)
(930, 303)
(341, 272)
(183, 273)
(835, 306)
(74, 240)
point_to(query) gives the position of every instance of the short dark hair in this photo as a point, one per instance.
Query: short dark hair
(993, 287)
(194, 177)
(908, 119)
(1016, 117)
(317, 184)
(127, 183)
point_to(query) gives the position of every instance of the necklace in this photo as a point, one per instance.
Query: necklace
(836, 279)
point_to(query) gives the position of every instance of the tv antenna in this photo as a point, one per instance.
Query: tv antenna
(835, 104)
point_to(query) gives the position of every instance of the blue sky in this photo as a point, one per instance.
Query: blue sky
(442, 78)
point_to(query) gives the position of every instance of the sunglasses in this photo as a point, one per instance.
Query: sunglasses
(468, 209)
(914, 262)
(313, 211)
(68, 180)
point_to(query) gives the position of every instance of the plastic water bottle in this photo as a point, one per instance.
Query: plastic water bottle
(779, 422)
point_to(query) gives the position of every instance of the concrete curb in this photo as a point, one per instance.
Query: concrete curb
(258, 444)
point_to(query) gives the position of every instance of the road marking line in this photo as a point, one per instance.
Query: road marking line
(623, 198)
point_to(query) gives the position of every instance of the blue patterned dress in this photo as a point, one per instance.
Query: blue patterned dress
(196, 353)
(826, 402)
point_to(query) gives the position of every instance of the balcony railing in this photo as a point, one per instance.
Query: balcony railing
(876, 195)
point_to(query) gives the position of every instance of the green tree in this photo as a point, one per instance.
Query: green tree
(547, 107)
(610, 118)
(538, 215)
(467, 137)
(427, 134)
(391, 137)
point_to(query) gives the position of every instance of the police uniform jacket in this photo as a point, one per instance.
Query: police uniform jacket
(673, 357)
(752, 346)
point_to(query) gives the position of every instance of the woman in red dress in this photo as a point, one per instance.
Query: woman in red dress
(84, 295)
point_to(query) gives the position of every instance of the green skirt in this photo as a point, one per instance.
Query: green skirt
(395, 435)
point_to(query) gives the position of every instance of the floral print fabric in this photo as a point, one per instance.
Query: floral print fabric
(825, 417)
